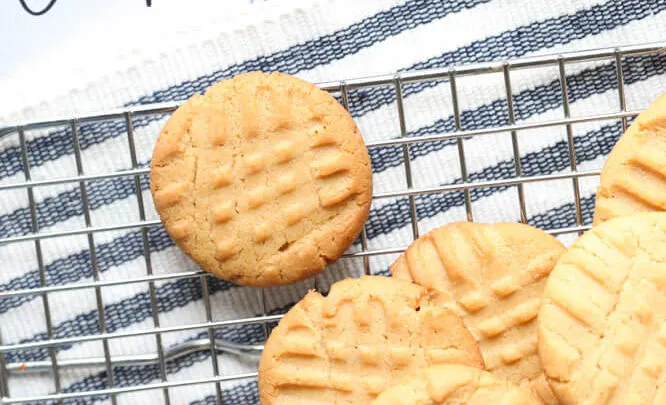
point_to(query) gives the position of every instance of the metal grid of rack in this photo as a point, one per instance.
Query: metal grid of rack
(53, 366)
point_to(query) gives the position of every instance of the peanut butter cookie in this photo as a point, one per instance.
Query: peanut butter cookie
(633, 179)
(602, 324)
(263, 180)
(360, 339)
(493, 277)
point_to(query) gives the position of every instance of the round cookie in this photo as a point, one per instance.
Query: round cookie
(633, 178)
(361, 338)
(263, 180)
(602, 324)
(454, 385)
(492, 276)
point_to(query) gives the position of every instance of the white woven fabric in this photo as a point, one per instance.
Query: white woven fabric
(318, 41)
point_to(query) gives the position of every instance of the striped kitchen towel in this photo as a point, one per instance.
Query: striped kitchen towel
(319, 41)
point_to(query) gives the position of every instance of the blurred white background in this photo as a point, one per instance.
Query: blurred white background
(75, 37)
(81, 23)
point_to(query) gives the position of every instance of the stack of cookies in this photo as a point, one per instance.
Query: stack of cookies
(465, 294)
(265, 180)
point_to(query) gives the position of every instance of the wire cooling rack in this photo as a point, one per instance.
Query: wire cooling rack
(52, 367)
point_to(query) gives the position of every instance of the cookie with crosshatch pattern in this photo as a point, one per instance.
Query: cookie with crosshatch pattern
(492, 276)
(450, 384)
(364, 336)
(602, 324)
(263, 180)
(633, 178)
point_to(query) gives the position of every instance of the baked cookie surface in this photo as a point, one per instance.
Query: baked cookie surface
(360, 339)
(633, 178)
(493, 277)
(602, 325)
(454, 385)
(262, 181)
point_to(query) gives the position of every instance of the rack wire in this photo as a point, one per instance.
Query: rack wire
(53, 366)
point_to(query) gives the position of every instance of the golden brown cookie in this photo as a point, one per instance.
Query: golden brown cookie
(493, 277)
(264, 180)
(633, 178)
(454, 385)
(361, 338)
(602, 324)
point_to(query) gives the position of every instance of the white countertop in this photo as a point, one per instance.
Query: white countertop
(75, 37)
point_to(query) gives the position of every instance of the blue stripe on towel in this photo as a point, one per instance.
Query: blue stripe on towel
(516, 43)
(527, 103)
(132, 375)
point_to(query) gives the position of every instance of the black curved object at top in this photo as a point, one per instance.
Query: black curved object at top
(51, 3)
(36, 13)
